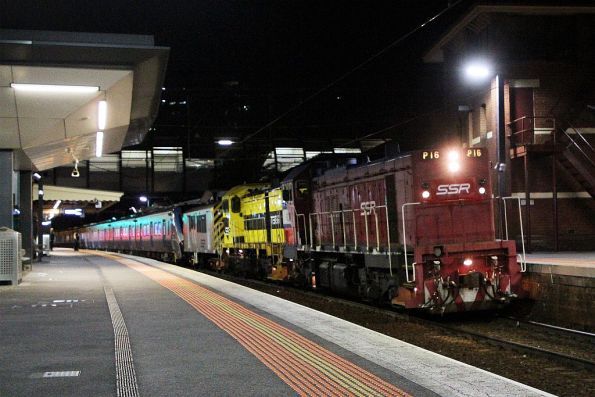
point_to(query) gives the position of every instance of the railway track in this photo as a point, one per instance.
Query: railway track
(574, 359)
(507, 333)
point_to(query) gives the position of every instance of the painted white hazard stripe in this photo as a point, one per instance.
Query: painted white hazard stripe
(60, 374)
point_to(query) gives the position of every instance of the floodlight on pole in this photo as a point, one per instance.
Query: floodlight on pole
(477, 71)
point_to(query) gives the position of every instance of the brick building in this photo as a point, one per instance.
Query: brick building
(540, 60)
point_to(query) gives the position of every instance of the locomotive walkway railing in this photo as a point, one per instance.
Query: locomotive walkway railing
(412, 278)
(524, 261)
(338, 219)
(298, 234)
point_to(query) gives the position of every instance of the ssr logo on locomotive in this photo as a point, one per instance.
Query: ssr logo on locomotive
(453, 188)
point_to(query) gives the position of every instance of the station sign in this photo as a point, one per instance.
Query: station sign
(74, 212)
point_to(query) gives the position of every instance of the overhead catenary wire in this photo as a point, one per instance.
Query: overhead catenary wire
(351, 71)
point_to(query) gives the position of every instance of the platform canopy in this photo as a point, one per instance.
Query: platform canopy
(51, 86)
(54, 193)
(58, 198)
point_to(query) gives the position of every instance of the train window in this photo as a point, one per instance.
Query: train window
(225, 206)
(202, 223)
(302, 188)
(287, 195)
(236, 204)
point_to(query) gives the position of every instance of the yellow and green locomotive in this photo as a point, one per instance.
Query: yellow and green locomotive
(248, 229)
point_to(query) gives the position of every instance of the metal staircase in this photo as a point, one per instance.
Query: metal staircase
(577, 157)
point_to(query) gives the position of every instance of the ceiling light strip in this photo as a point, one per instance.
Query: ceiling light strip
(54, 88)
(99, 144)
(101, 115)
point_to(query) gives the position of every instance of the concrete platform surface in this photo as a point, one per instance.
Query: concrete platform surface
(578, 264)
(105, 325)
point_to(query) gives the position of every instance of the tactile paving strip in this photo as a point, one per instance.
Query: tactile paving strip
(126, 384)
(308, 368)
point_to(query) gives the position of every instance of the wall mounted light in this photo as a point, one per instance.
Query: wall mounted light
(478, 71)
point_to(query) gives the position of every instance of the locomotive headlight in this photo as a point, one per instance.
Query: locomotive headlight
(425, 194)
(454, 166)
(482, 183)
(453, 161)
(468, 262)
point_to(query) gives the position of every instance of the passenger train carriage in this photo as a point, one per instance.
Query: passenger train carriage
(159, 233)
(416, 231)
(197, 227)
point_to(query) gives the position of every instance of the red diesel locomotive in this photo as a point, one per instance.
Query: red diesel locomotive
(416, 230)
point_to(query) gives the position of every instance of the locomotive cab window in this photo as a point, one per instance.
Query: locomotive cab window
(236, 204)
(225, 206)
(302, 188)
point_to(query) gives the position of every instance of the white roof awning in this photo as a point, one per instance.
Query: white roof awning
(53, 84)
(53, 193)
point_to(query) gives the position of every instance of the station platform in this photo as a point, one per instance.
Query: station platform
(577, 264)
(98, 324)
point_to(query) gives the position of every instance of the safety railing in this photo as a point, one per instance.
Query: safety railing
(580, 144)
(347, 235)
(412, 278)
(526, 129)
(524, 259)
(299, 230)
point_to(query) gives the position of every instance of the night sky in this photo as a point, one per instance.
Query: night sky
(254, 42)
(281, 50)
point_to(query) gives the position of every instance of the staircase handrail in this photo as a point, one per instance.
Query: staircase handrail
(578, 132)
(580, 149)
